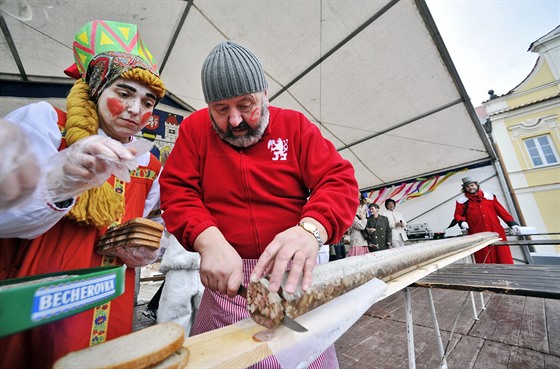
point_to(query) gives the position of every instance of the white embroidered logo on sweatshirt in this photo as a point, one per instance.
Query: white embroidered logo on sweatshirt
(279, 148)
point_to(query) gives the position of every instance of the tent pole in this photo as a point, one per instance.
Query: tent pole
(510, 197)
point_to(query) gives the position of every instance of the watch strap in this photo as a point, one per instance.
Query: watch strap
(314, 232)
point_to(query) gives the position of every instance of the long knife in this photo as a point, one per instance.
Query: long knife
(286, 321)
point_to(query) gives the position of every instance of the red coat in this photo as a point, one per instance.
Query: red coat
(68, 246)
(481, 212)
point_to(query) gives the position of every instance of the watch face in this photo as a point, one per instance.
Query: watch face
(309, 226)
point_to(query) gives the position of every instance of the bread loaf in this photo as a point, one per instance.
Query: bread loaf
(136, 232)
(131, 241)
(137, 350)
(177, 360)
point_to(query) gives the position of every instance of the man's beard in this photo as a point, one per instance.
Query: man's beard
(251, 137)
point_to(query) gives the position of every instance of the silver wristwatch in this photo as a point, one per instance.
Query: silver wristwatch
(310, 227)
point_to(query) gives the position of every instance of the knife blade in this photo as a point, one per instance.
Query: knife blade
(286, 321)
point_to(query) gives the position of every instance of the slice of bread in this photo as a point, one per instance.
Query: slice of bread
(137, 350)
(135, 240)
(138, 222)
(133, 233)
(177, 360)
(132, 228)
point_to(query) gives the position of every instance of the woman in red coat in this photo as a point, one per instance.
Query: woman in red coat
(478, 211)
(57, 229)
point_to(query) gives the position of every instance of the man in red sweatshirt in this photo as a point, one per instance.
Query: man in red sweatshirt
(254, 189)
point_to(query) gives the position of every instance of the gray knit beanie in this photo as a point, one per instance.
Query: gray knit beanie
(230, 70)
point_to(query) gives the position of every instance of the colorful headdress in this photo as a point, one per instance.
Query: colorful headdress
(103, 50)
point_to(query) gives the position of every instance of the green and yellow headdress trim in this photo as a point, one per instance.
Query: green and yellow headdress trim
(101, 36)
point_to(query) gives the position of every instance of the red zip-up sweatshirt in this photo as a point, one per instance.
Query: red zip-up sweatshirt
(252, 194)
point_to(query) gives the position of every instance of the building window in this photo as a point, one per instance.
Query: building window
(541, 151)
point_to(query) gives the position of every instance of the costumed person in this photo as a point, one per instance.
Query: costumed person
(357, 232)
(378, 228)
(253, 188)
(397, 224)
(86, 191)
(479, 211)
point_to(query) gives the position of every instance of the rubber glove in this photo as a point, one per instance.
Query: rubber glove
(87, 164)
(135, 256)
(516, 229)
(464, 225)
(19, 168)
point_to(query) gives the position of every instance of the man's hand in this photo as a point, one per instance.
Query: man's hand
(464, 225)
(295, 245)
(221, 267)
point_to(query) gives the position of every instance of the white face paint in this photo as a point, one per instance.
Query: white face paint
(124, 108)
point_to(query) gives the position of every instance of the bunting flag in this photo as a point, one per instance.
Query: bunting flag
(408, 190)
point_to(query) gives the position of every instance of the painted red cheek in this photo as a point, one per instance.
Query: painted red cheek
(255, 116)
(115, 106)
(145, 117)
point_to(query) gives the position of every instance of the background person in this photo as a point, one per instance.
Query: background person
(112, 100)
(378, 228)
(397, 224)
(479, 211)
(338, 250)
(358, 241)
(254, 189)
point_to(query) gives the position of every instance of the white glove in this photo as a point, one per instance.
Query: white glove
(464, 225)
(87, 164)
(19, 168)
(516, 229)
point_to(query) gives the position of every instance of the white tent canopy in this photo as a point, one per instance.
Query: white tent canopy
(375, 76)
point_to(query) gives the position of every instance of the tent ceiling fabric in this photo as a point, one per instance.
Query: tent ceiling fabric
(370, 74)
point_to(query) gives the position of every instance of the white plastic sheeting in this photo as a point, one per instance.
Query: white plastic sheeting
(374, 75)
